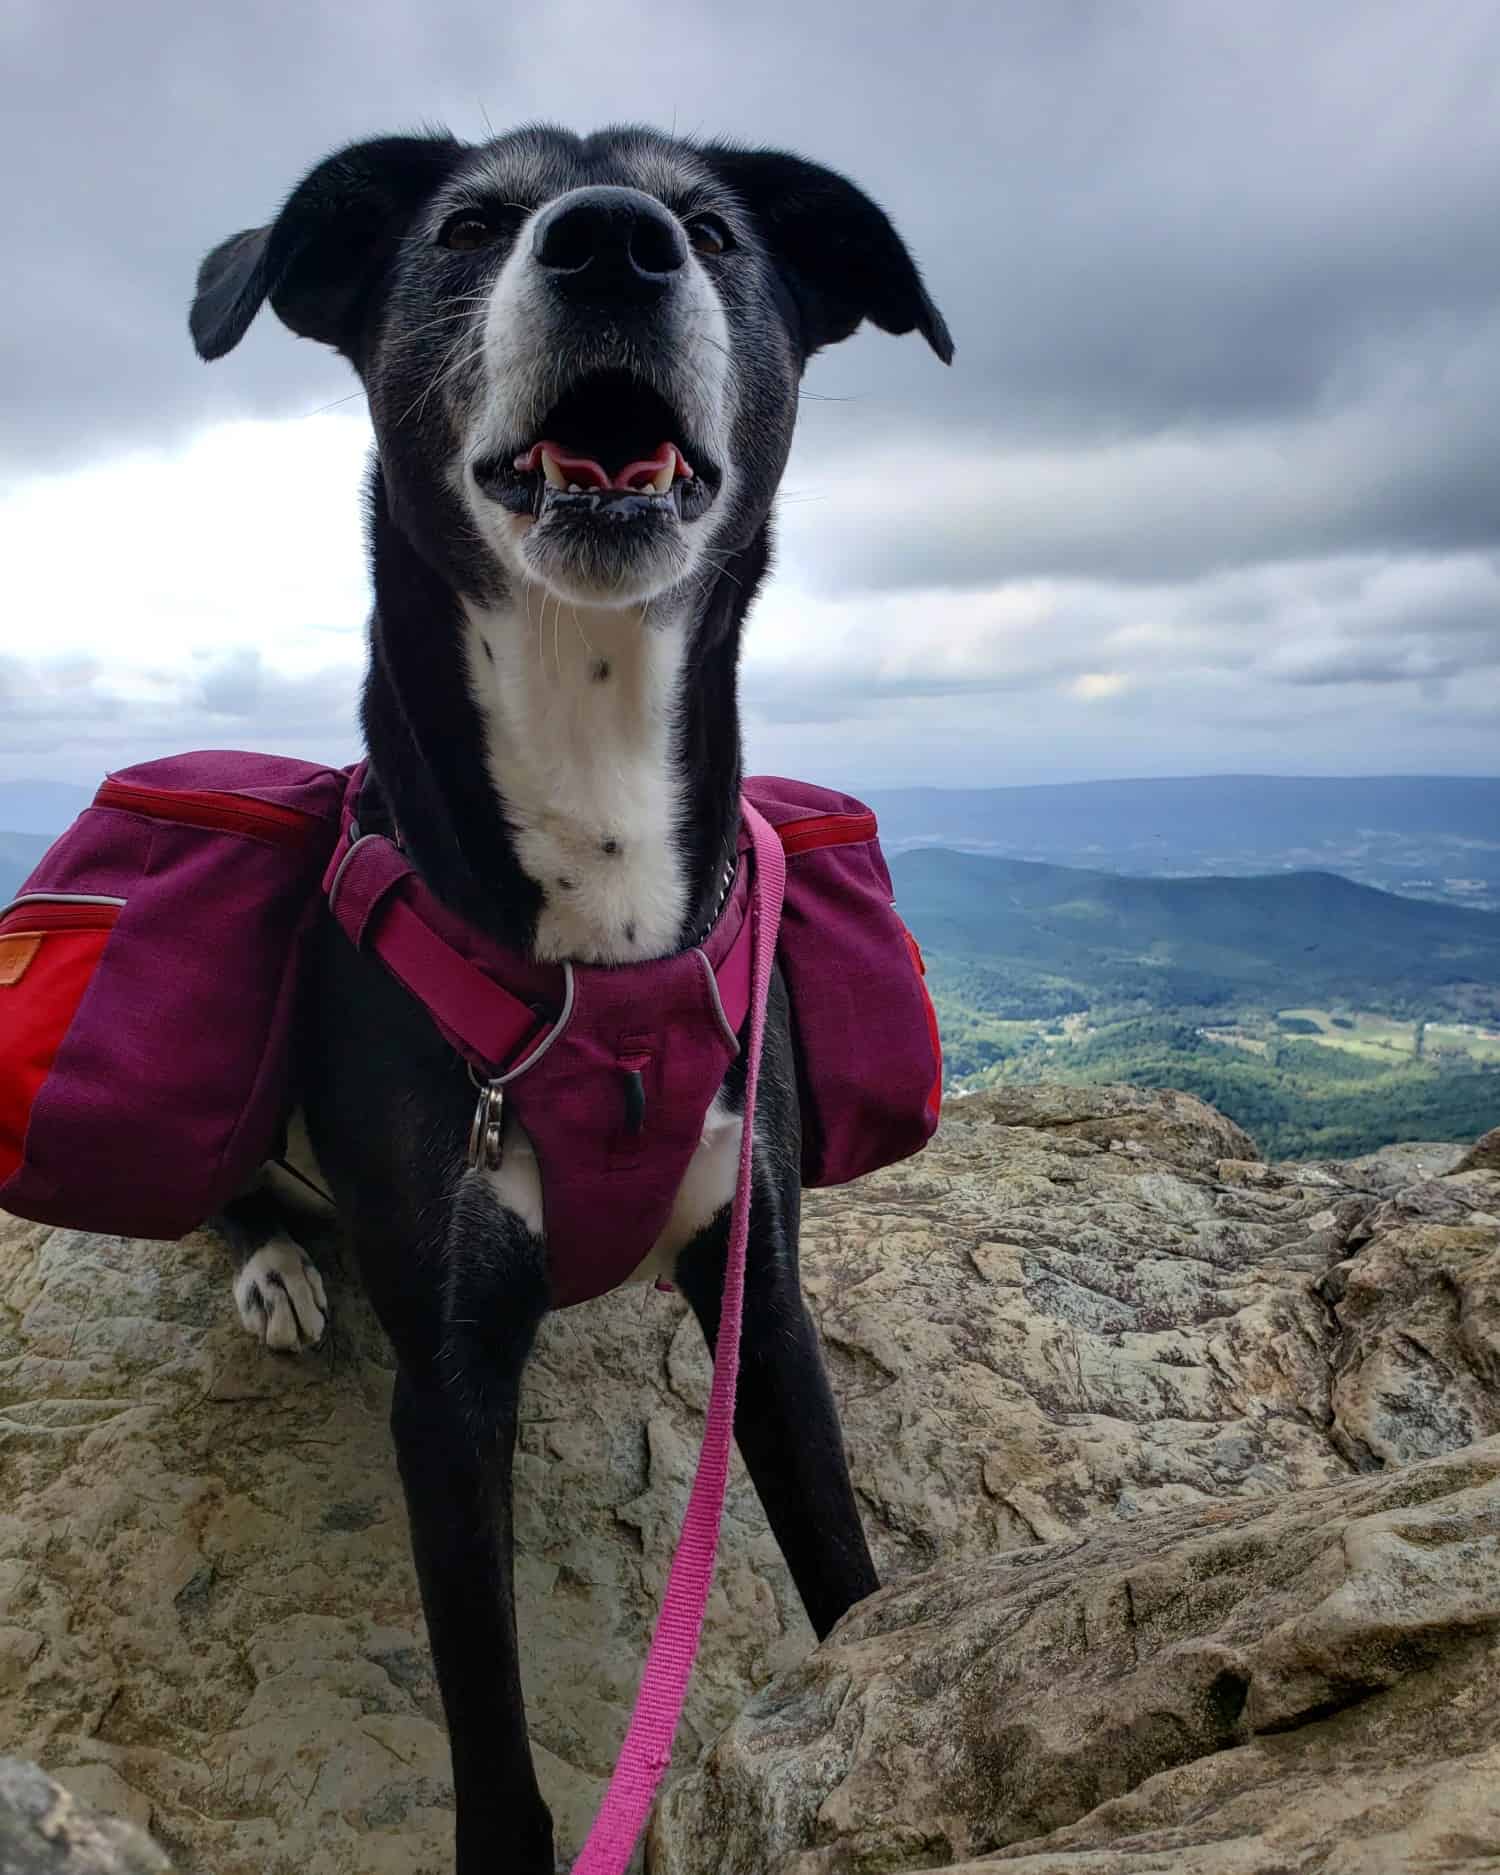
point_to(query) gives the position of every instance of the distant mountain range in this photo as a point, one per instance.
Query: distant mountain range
(1425, 836)
(1034, 940)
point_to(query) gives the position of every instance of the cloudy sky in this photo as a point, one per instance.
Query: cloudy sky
(1213, 485)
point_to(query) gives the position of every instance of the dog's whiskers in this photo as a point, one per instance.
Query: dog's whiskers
(323, 409)
(441, 319)
(449, 368)
(719, 569)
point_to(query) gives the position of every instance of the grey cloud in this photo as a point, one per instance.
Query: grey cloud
(1269, 632)
(1413, 472)
(1164, 728)
(76, 719)
(1134, 217)
(244, 687)
(1225, 283)
(789, 697)
(1147, 226)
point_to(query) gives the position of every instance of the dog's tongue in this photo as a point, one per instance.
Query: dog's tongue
(561, 468)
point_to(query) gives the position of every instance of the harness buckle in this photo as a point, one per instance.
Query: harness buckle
(486, 1150)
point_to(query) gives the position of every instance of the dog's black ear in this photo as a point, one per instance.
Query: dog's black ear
(318, 260)
(841, 258)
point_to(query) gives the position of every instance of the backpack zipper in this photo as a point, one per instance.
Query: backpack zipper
(220, 813)
(817, 830)
(37, 912)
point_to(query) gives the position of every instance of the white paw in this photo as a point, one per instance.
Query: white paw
(281, 1298)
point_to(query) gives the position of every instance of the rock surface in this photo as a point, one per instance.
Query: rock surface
(1484, 1154)
(1307, 1682)
(1078, 1305)
(45, 1831)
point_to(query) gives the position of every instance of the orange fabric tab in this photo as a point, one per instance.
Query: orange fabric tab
(16, 952)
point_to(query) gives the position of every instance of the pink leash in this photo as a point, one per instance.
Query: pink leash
(647, 1750)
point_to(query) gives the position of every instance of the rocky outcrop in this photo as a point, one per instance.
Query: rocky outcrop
(44, 1831)
(1307, 1682)
(1082, 1313)
(1484, 1154)
(1303, 1682)
(1416, 1363)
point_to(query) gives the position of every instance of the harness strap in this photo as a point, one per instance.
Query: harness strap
(647, 1750)
(367, 893)
(492, 1024)
(378, 896)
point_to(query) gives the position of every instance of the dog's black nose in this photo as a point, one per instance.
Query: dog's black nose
(609, 243)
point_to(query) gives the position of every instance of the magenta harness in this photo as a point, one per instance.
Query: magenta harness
(611, 1071)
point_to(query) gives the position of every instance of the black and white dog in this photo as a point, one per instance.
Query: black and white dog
(551, 720)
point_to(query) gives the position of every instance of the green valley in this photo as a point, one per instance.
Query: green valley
(1326, 1017)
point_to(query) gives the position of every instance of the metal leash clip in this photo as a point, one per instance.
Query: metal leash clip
(485, 1145)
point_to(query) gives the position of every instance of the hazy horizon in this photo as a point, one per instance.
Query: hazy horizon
(86, 778)
(1435, 837)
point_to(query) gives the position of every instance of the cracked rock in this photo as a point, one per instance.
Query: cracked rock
(1081, 1309)
(1307, 1682)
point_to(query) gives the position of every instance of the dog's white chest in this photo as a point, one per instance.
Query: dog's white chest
(580, 716)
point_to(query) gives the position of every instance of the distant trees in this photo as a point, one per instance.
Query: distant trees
(1300, 1099)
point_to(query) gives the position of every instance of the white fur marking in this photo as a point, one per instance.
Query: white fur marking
(707, 1186)
(281, 1298)
(517, 1184)
(581, 762)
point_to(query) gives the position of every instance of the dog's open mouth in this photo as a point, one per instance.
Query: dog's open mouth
(612, 448)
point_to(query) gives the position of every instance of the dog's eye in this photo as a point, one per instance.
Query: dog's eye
(467, 232)
(709, 235)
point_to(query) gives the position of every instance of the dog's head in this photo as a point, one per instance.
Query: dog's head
(581, 354)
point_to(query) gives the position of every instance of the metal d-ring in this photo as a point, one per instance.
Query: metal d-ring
(486, 1148)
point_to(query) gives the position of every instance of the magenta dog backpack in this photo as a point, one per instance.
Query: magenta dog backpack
(149, 970)
(870, 1065)
(148, 973)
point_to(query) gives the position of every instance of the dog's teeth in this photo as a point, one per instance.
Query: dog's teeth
(574, 489)
(664, 477)
(550, 469)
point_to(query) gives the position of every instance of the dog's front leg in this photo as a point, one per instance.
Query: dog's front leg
(785, 1422)
(456, 1470)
